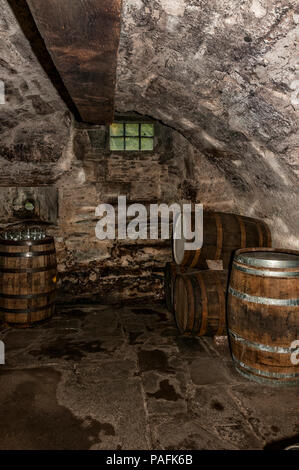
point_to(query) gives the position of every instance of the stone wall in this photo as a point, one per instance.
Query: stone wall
(121, 269)
(35, 123)
(43, 200)
(116, 270)
(220, 81)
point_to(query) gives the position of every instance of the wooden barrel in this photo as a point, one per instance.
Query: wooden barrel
(263, 314)
(27, 280)
(199, 303)
(222, 235)
(170, 273)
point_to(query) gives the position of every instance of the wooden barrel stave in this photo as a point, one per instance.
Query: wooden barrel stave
(262, 321)
(185, 302)
(170, 273)
(17, 284)
(199, 302)
(248, 317)
(31, 318)
(223, 233)
(22, 302)
(190, 321)
(27, 281)
(251, 355)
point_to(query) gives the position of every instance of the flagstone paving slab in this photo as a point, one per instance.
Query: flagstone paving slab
(122, 377)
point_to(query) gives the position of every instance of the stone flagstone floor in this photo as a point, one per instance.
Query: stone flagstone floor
(119, 377)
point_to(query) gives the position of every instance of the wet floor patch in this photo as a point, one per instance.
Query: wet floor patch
(165, 392)
(32, 418)
(216, 405)
(148, 311)
(74, 313)
(67, 349)
(154, 360)
(133, 338)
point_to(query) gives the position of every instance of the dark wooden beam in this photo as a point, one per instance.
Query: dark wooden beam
(82, 37)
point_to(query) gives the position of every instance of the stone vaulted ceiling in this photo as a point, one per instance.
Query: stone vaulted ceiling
(222, 73)
(225, 74)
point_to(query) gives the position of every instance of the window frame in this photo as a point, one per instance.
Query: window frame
(139, 136)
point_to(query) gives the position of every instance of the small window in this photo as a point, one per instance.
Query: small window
(29, 205)
(131, 136)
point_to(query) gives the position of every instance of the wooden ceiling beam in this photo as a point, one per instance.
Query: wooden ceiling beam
(82, 37)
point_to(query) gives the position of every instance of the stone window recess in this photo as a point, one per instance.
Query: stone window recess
(29, 205)
(22, 203)
(126, 136)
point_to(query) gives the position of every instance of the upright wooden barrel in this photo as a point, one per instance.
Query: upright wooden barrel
(263, 315)
(27, 280)
(199, 303)
(222, 235)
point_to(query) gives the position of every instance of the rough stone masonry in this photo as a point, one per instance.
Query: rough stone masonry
(219, 79)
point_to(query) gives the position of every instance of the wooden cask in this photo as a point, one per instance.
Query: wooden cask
(222, 235)
(27, 280)
(263, 314)
(170, 273)
(199, 303)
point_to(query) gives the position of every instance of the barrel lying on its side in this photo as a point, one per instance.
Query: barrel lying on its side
(199, 302)
(263, 315)
(170, 274)
(222, 235)
(27, 280)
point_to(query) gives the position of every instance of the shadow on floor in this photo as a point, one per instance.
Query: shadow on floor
(283, 443)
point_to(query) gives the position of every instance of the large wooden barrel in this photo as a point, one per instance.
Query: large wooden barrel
(27, 280)
(199, 303)
(222, 235)
(170, 273)
(263, 314)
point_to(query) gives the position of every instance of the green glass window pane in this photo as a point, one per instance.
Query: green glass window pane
(132, 130)
(117, 143)
(132, 143)
(29, 206)
(117, 129)
(147, 144)
(147, 130)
